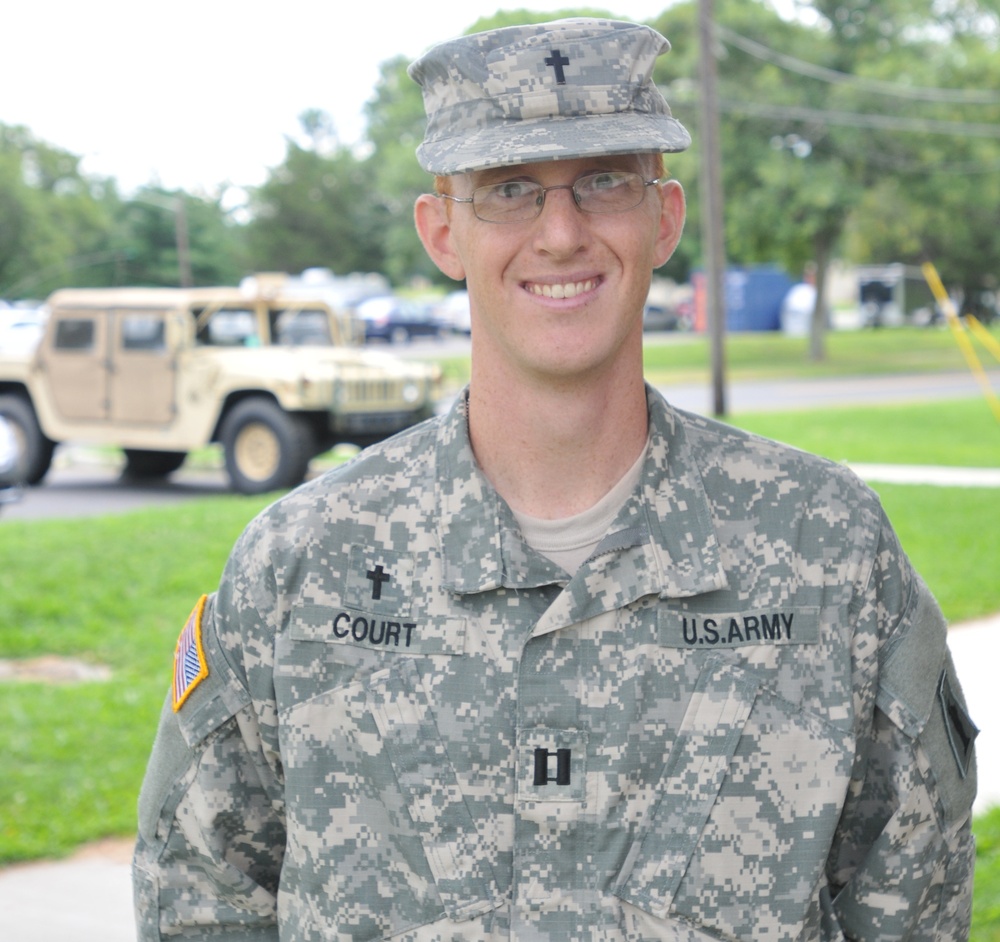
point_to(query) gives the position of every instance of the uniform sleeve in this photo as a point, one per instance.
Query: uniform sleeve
(905, 857)
(211, 823)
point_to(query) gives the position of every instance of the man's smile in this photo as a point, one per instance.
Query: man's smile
(568, 289)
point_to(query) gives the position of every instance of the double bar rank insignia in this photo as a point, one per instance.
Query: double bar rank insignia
(190, 666)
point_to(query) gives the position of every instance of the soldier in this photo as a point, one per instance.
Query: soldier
(565, 663)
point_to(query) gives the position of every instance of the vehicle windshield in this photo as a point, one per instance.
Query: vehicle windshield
(300, 327)
(228, 327)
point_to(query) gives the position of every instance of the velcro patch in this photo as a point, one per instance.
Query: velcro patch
(962, 732)
(190, 666)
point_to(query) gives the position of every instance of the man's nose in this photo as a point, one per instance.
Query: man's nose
(560, 224)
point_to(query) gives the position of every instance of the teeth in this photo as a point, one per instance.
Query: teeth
(570, 290)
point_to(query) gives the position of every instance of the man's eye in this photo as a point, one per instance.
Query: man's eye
(512, 190)
(604, 181)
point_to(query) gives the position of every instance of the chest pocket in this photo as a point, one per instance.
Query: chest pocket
(431, 792)
(749, 800)
(380, 840)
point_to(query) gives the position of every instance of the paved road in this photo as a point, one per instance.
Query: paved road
(74, 489)
(823, 393)
(81, 488)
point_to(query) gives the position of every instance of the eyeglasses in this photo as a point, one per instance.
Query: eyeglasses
(611, 191)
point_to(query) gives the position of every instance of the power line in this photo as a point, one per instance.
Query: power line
(967, 96)
(878, 122)
(964, 168)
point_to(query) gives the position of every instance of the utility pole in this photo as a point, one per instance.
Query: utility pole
(713, 231)
(181, 237)
(175, 205)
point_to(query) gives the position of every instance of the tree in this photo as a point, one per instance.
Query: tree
(808, 136)
(395, 127)
(936, 194)
(315, 210)
(930, 71)
(55, 221)
(170, 238)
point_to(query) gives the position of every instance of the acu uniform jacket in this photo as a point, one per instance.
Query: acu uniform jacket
(394, 719)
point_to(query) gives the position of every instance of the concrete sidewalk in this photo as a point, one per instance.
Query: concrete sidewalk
(88, 898)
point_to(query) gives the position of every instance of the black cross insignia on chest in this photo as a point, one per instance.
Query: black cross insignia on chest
(377, 576)
(557, 61)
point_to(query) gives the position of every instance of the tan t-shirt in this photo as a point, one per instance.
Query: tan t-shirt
(569, 541)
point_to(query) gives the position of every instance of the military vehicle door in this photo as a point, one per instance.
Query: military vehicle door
(143, 371)
(76, 363)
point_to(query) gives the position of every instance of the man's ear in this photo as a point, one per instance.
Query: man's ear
(672, 210)
(434, 228)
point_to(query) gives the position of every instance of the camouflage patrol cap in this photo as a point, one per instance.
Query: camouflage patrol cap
(550, 91)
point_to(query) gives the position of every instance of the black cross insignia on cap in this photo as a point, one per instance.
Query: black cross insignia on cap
(557, 61)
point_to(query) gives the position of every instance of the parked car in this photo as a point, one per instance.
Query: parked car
(454, 313)
(9, 463)
(398, 320)
(660, 317)
(20, 330)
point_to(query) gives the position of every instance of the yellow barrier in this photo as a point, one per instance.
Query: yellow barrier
(962, 339)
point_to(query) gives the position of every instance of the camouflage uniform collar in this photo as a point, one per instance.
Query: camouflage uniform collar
(670, 513)
(674, 498)
(469, 510)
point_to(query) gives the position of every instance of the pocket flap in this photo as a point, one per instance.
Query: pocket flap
(402, 713)
(691, 780)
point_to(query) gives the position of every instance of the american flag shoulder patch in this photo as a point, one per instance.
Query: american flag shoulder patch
(190, 666)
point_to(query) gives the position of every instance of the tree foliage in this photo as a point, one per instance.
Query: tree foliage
(395, 128)
(315, 210)
(53, 218)
(836, 128)
(171, 238)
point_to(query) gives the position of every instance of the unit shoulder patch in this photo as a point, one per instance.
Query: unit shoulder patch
(190, 666)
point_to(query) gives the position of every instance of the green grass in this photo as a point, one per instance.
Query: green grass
(672, 359)
(953, 432)
(110, 590)
(986, 895)
(766, 355)
(116, 590)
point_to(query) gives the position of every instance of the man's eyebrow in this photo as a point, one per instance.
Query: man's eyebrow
(599, 164)
(498, 175)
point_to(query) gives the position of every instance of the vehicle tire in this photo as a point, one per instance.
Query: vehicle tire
(399, 335)
(36, 450)
(144, 463)
(266, 449)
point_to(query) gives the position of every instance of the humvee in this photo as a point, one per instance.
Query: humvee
(159, 372)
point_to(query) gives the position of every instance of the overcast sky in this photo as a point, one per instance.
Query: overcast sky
(195, 93)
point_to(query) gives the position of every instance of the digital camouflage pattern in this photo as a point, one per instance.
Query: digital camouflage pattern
(738, 720)
(548, 91)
